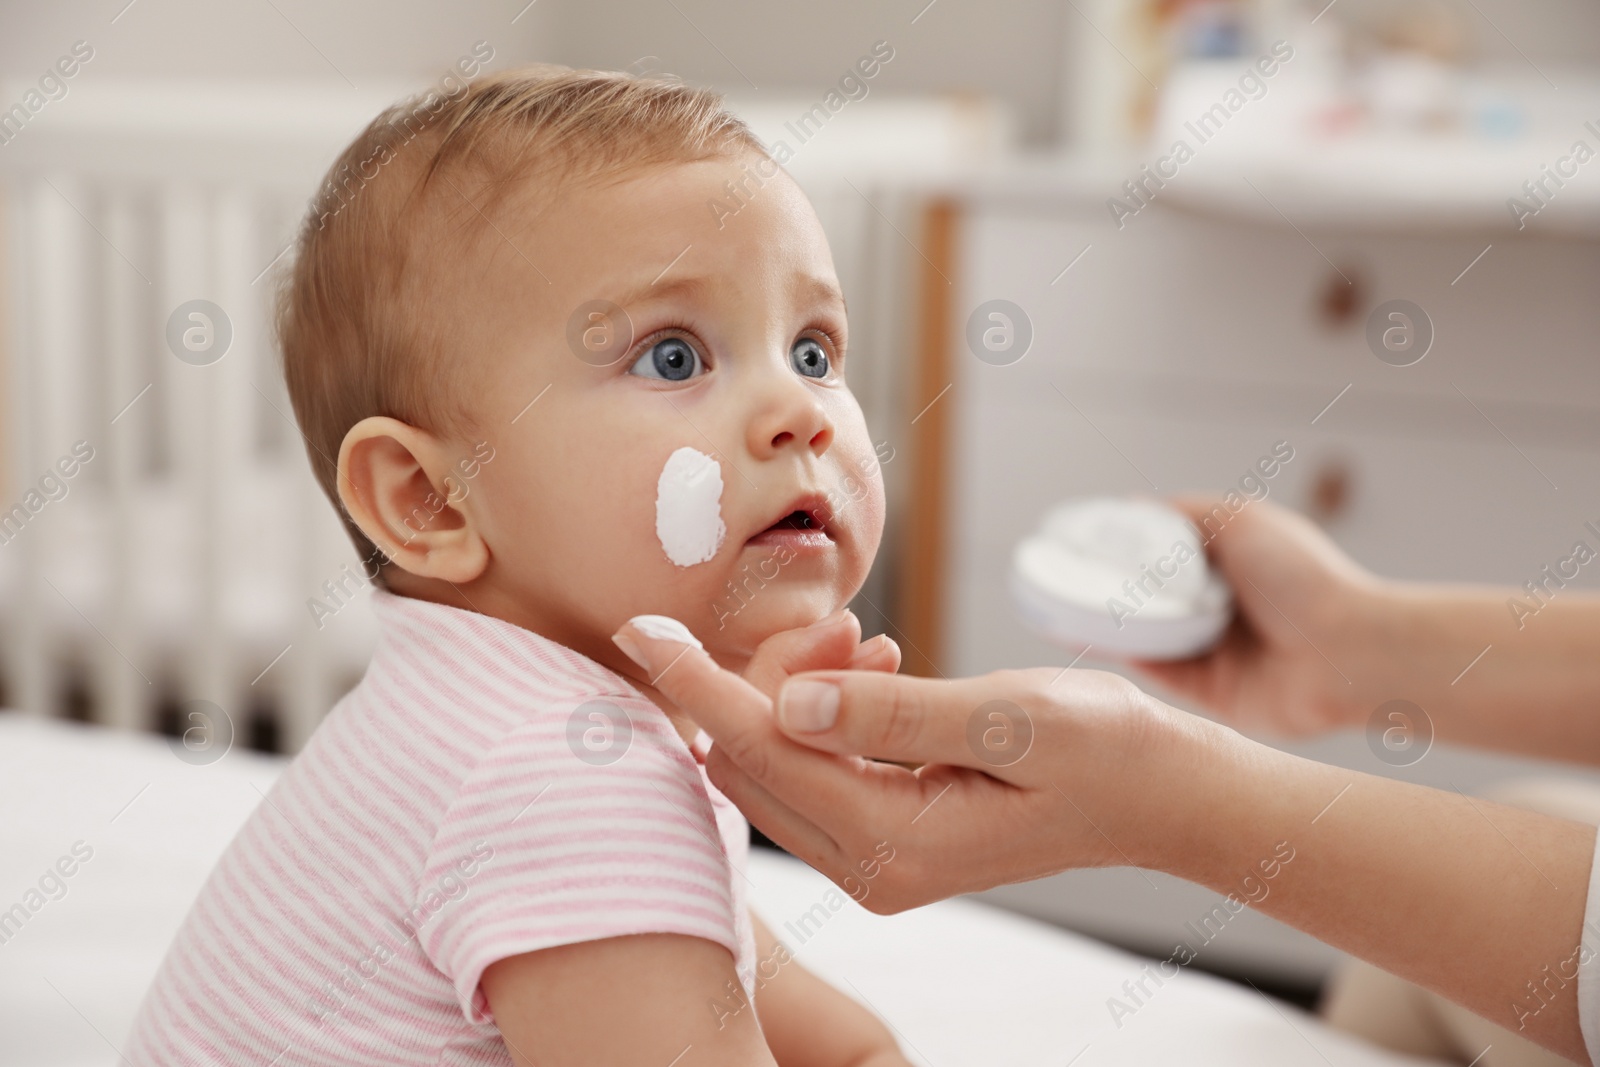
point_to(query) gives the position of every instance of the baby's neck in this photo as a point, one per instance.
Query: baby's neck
(485, 600)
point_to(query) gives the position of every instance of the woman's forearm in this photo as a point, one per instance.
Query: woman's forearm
(1481, 903)
(1492, 667)
(1478, 902)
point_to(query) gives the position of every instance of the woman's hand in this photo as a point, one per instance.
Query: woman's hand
(1305, 653)
(831, 643)
(1029, 772)
(1320, 644)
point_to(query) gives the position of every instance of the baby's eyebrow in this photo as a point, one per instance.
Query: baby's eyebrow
(813, 286)
(693, 286)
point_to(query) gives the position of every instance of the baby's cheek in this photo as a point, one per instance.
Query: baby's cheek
(873, 510)
(861, 487)
(668, 536)
(554, 514)
(867, 532)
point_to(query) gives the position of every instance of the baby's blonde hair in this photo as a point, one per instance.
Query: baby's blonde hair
(358, 316)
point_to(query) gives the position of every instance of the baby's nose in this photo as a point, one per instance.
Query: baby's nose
(791, 415)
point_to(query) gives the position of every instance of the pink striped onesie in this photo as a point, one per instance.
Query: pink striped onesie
(483, 792)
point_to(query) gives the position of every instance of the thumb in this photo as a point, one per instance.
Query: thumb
(968, 722)
(1212, 521)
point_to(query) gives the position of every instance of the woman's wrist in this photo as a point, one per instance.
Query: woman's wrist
(1377, 640)
(1187, 788)
(1388, 640)
(1219, 808)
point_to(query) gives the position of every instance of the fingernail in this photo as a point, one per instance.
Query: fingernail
(868, 648)
(808, 706)
(829, 620)
(631, 650)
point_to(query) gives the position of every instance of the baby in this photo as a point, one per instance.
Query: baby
(553, 382)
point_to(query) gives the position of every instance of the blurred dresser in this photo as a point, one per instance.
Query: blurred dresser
(1054, 353)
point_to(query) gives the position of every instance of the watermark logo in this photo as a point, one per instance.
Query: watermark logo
(399, 935)
(1140, 190)
(1399, 733)
(1541, 190)
(999, 733)
(53, 485)
(207, 733)
(999, 332)
(1542, 588)
(599, 333)
(1255, 484)
(853, 85)
(53, 85)
(199, 332)
(1399, 332)
(346, 182)
(1252, 889)
(50, 886)
(599, 732)
(803, 928)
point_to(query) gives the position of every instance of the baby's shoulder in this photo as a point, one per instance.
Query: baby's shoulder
(591, 735)
(606, 771)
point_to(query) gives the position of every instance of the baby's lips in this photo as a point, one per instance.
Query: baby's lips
(818, 507)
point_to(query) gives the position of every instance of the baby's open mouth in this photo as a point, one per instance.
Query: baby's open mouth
(806, 525)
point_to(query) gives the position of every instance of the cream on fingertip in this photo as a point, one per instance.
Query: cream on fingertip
(664, 628)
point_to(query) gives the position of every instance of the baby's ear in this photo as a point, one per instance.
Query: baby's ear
(397, 484)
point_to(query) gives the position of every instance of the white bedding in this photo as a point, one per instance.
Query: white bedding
(960, 982)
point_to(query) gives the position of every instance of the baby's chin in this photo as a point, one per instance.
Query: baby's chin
(737, 628)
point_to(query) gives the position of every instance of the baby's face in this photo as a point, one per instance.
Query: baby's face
(730, 342)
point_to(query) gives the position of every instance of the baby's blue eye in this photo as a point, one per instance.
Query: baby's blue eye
(809, 359)
(672, 359)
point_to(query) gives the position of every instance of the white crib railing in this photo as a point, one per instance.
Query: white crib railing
(174, 565)
(178, 564)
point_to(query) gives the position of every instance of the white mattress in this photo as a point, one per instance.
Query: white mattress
(961, 983)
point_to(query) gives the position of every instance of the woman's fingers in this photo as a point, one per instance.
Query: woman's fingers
(1197, 507)
(829, 809)
(876, 654)
(736, 714)
(739, 718)
(829, 643)
(906, 719)
(796, 833)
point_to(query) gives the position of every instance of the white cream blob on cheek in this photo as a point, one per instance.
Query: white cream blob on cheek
(689, 507)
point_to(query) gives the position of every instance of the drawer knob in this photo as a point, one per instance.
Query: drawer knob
(1331, 490)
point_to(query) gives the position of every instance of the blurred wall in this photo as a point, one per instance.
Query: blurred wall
(1507, 31)
(1017, 50)
(1010, 49)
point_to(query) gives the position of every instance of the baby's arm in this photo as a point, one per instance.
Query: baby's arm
(808, 1023)
(644, 998)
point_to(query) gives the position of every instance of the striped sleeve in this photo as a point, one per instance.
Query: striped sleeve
(591, 821)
